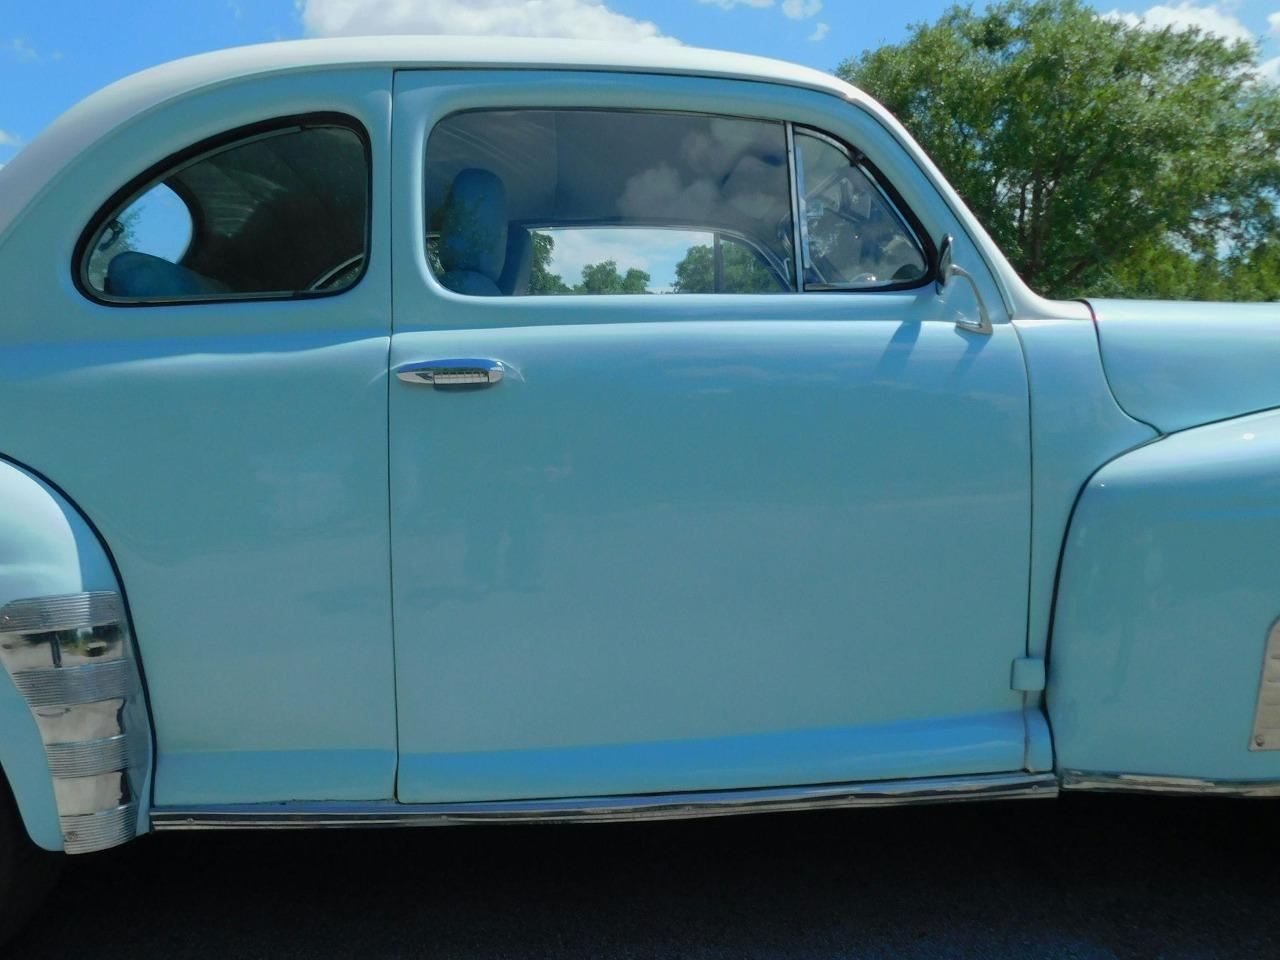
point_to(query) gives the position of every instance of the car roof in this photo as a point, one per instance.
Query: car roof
(36, 166)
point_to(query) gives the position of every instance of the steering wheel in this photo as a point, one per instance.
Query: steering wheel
(335, 276)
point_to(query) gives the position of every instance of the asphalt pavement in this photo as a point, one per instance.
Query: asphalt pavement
(1082, 876)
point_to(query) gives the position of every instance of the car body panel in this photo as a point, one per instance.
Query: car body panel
(1169, 588)
(700, 585)
(1179, 365)
(1076, 426)
(233, 456)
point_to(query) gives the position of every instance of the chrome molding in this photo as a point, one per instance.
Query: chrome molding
(86, 832)
(1266, 716)
(61, 613)
(67, 686)
(1185, 786)
(72, 660)
(88, 758)
(664, 806)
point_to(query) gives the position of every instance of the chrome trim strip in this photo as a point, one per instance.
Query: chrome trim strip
(67, 612)
(66, 686)
(86, 832)
(661, 806)
(87, 758)
(1266, 715)
(797, 233)
(1187, 786)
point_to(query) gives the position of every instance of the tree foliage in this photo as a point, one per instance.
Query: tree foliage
(743, 271)
(1100, 156)
(604, 277)
(600, 277)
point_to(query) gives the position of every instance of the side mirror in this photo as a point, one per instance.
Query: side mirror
(947, 269)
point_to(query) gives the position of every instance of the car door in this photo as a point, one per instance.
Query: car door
(204, 375)
(684, 541)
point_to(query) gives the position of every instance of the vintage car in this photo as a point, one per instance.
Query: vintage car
(343, 482)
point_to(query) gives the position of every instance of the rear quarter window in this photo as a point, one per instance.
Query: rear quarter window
(280, 210)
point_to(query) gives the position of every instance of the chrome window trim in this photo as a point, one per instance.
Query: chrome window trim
(902, 213)
(424, 213)
(664, 806)
(797, 213)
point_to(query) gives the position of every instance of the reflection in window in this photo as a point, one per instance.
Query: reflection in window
(852, 235)
(275, 214)
(607, 202)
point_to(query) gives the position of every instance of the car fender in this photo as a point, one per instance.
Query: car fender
(75, 740)
(1168, 592)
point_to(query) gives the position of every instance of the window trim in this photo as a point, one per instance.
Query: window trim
(158, 172)
(858, 159)
(790, 283)
(795, 178)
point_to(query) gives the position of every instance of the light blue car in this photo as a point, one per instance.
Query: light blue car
(342, 484)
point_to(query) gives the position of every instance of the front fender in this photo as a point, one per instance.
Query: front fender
(1170, 584)
(75, 742)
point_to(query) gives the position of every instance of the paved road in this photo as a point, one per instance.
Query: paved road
(1079, 877)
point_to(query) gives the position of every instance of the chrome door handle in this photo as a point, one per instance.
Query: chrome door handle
(448, 373)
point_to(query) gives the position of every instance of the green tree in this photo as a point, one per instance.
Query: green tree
(541, 279)
(1099, 155)
(604, 277)
(743, 271)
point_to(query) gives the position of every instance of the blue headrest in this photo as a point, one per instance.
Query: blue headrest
(132, 274)
(518, 267)
(473, 227)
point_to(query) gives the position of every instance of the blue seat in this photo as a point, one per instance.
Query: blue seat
(144, 277)
(473, 234)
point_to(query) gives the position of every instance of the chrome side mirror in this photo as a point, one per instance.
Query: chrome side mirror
(947, 269)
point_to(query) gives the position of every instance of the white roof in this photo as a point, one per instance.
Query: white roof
(40, 162)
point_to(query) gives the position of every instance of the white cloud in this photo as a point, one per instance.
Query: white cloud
(1270, 70)
(22, 51)
(581, 19)
(1273, 23)
(730, 4)
(801, 9)
(1186, 16)
(820, 31)
(8, 139)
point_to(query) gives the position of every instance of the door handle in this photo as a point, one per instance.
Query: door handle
(448, 373)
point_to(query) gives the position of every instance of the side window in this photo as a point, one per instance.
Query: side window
(281, 212)
(852, 237)
(529, 202)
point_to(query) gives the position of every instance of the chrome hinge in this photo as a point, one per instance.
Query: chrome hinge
(1028, 674)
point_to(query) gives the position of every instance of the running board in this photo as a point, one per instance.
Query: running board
(658, 806)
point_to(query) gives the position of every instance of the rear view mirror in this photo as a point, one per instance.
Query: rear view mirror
(946, 270)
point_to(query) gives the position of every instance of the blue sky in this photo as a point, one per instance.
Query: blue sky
(56, 52)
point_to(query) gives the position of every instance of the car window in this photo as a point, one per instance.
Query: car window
(528, 202)
(852, 237)
(600, 260)
(280, 213)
